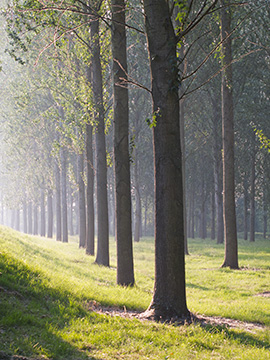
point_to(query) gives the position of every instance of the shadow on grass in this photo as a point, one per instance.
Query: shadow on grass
(32, 315)
(243, 337)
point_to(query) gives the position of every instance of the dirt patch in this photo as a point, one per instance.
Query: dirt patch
(264, 294)
(194, 319)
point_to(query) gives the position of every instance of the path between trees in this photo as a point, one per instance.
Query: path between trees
(195, 318)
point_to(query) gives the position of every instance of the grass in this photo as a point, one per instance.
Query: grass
(47, 288)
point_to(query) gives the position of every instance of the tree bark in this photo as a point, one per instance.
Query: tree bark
(90, 231)
(58, 203)
(30, 218)
(169, 298)
(252, 190)
(82, 210)
(245, 209)
(50, 214)
(218, 171)
(42, 214)
(18, 222)
(102, 257)
(213, 216)
(64, 196)
(25, 230)
(125, 268)
(231, 252)
(138, 206)
(35, 231)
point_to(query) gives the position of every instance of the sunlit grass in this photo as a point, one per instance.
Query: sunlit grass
(46, 287)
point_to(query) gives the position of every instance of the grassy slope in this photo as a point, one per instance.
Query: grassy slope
(46, 289)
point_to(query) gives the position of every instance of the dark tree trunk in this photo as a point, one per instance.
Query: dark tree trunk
(125, 268)
(58, 204)
(82, 209)
(169, 298)
(183, 150)
(231, 252)
(42, 214)
(90, 231)
(101, 158)
(50, 214)
(64, 196)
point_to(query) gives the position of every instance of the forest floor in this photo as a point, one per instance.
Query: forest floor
(57, 304)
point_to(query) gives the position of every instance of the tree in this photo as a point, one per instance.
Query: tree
(231, 252)
(169, 298)
(125, 268)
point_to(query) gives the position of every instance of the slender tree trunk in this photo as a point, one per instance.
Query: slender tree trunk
(17, 222)
(169, 298)
(101, 158)
(25, 222)
(138, 206)
(70, 223)
(64, 196)
(90, 231)
(58, 204)
(218, 172)
(213, 216)
(50, 214)
(125, 268)
(82, 209)
(252, 190)
(42, 214)
(30, 218)
(245, 209)
(35, 231)
(264, 210)
(231, 252)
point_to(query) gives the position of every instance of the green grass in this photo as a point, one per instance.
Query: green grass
(47, 287)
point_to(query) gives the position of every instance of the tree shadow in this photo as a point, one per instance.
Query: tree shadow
(31, 313)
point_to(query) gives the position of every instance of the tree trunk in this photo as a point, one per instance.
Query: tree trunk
(218, 172)
(169, 298)
(245, 209)
(58, 204)
(50, 214)
(64, 195)
(18, 223)
(90, 231)
(138, 206)
(213, 216)
(125, 268)
(231, 252)
(264, 209)
(42, 214)
(252, 190)
(183, 150)
(30, 218)
(82, 210)
(35, 231)
(25, 230)
(70, 223)
(101, 157)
